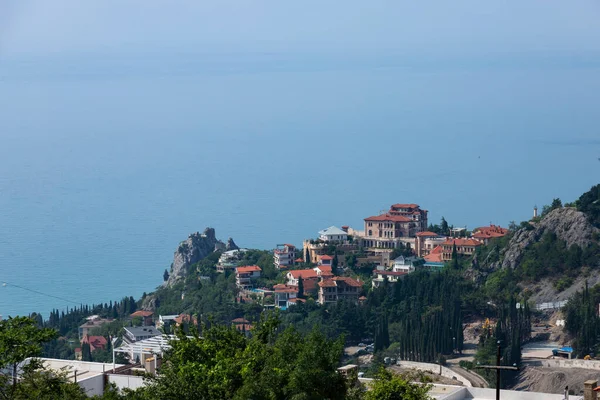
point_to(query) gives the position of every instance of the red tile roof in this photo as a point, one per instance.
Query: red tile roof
(389, 217)
(435, 255)
(304, 273)
(400, 205)
(492, 229)
(240, 321)
(334, 282)
(248, 268)
(361, 298)
(327, 283)
(426, 234)
(298, 260)
(437, 250)
(461, 242)
(291, 246)
(325, 257)
(325, 269)
(296, 300)
(142, 313)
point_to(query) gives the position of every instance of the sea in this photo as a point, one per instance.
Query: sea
(108, 161)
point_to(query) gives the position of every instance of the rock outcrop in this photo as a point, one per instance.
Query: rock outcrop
(231, 245)
(190, 251)
(566, 223)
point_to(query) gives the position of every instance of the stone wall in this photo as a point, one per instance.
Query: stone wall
(435, 368)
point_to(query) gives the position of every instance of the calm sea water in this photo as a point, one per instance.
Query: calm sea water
(106, 163)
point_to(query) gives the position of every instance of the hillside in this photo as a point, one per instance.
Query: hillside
(549, 257)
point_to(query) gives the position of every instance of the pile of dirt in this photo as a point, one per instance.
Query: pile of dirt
(553, 380)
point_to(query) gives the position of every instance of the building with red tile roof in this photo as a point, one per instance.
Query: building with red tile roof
(339, 288)
(95, 342)
(145, 315)
(463, 247)
(388, 229)
(185, 318)
(323, 271)
(240, 321)
(246, 275)
(309, 279)
(486, 233)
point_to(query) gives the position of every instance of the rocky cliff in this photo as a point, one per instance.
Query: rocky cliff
(567, 223)
(193, 249)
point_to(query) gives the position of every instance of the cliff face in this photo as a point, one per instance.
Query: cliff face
(190, 251)
(567, 223)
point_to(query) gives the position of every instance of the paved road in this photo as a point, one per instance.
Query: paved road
(476, 380)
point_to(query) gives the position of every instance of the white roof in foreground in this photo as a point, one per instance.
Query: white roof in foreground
(332, 230)
(154, 345)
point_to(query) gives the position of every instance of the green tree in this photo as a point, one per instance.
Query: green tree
(300, 287)
(444, 228)
(21, 338)
(334, 264)
(36, 382)
(166, 275)
(388, 386)
(455, 264)
(86, 353)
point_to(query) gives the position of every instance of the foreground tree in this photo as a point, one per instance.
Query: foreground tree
(224, 364)
(388, 386)
(20, 338)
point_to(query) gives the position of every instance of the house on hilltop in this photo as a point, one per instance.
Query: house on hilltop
(486, 233)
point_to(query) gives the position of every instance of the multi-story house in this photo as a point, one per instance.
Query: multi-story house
(229, 259)
(339, 288)
(92, 323)
(405, 264)
(380, 274)
(309, 279)
(285, 295)
(486, 233)
(245, 276)
(463, 247)
(401, 222)
(284, 256)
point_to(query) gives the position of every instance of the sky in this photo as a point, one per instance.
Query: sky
(34, 28)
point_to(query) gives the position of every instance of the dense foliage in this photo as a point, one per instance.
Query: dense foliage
(512, 329)
(272, 364)
(589, 203)
(582, 321)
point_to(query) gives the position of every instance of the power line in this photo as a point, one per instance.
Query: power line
(41, 293)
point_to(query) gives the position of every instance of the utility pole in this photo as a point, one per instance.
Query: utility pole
(498, 368)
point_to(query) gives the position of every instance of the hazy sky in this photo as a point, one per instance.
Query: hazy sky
(41, 27)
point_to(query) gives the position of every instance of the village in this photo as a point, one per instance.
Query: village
(395, 243)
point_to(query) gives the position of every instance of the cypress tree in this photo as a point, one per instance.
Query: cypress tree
(300, 287)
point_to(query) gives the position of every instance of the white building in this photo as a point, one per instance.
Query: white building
(404, 264)
(333, 234)
(284, 255)
(229, 259)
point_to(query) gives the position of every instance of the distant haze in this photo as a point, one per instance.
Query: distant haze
(124, 126)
